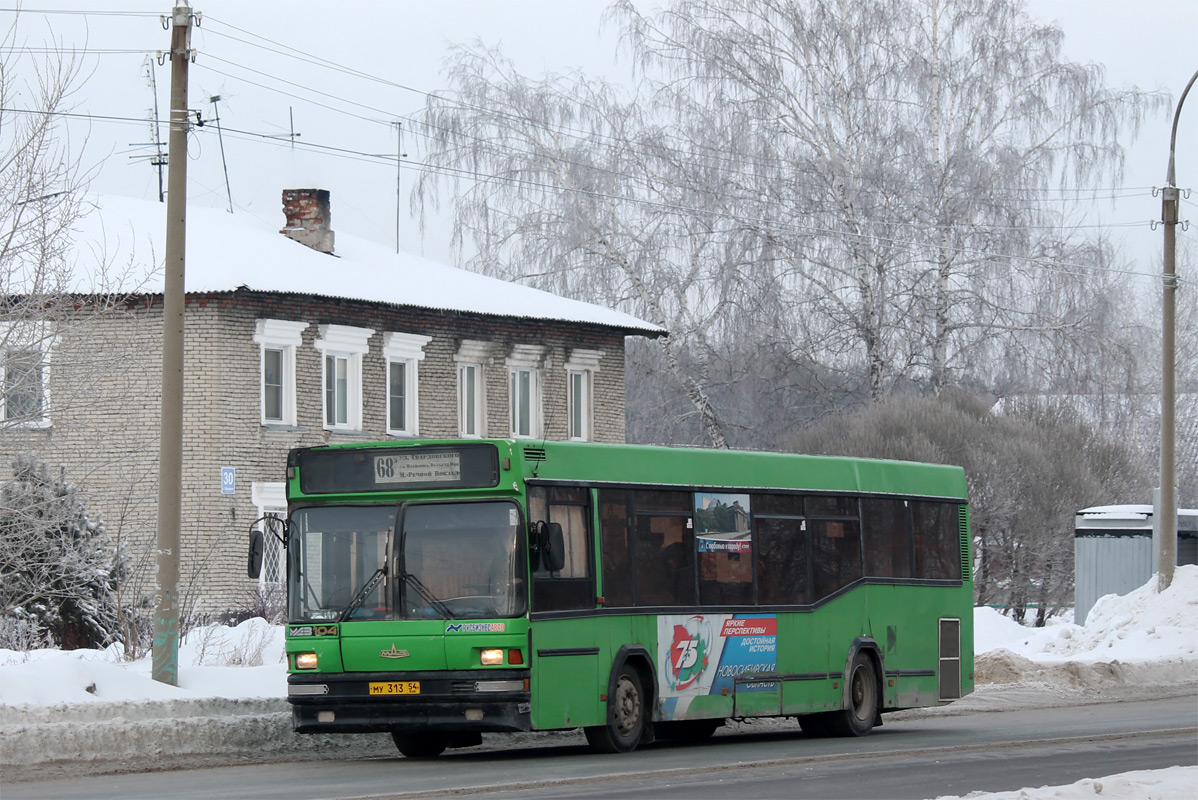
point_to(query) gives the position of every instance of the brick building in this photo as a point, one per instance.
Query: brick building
(288, 345)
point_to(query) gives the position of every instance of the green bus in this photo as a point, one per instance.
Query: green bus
(439, 589)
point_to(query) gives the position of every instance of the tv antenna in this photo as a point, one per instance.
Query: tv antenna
(158, 159)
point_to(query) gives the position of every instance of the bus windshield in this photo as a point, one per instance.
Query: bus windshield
(453, 561)
(334, 552)
(462, 561)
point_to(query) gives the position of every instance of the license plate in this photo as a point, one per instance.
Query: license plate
(395, 687)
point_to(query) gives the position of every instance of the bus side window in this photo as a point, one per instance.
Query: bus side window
(886, 530)
(615, 544)
(573, 586)
(664, 548)
(937, 540)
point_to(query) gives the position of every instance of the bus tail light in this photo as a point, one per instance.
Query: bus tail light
(515, 657)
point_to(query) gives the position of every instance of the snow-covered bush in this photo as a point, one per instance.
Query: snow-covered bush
(58, 570)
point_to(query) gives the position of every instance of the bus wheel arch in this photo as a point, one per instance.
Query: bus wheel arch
(631, 689)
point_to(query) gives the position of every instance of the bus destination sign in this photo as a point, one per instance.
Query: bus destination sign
(335, 470)
(418, 467)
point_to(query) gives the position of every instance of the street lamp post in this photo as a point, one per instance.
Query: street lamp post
(1167, 550)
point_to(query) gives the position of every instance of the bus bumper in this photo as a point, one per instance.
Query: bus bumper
(461, 701)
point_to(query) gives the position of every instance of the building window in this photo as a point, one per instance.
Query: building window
(342, 348)
(522, 400)
(469, 399)
(24, 376)
(471, 358)
(524, 395)
(580, 377)
(270, 499)
(278, 340)
(403, 352)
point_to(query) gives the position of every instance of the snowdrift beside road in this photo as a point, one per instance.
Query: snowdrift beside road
(1140, 639)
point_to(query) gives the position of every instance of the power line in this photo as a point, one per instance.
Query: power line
(909, 245)
(280, 48)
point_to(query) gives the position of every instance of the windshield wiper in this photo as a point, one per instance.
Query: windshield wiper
(366, 589)
(425, 595)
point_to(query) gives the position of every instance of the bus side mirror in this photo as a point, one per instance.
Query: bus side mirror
(553, 547)
(254, 567)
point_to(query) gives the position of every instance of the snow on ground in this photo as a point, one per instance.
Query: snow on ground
(90, 711)
(214, 661)
(1155, 784)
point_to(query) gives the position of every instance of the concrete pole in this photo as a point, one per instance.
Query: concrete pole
(1167, 553)
(165, 668)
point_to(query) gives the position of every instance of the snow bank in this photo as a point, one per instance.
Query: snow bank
(1176, 783)
(1145, 637)
(214, 661)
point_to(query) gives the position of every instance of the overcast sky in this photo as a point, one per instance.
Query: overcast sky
(257, 56)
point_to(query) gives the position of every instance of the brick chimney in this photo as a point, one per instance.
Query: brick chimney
(307, 212)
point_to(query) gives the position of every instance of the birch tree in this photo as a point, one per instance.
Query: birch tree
(868, 189)
(916, 140)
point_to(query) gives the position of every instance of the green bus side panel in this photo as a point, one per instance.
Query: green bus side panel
(571, 660)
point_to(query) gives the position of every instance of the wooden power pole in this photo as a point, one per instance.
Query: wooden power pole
(170, 450)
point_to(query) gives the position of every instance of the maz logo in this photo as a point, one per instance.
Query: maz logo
(393, 653)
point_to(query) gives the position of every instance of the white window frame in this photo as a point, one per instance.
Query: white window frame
(286, 336)
(406, 349)
(270, 498)
(476, 355)
(583, 364)
(348, 343)
(470, 401)
(526, 358)
(33, 335)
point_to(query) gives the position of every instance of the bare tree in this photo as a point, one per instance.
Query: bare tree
(567, 185)
(910, 146)
(865, 189)
(60, 355)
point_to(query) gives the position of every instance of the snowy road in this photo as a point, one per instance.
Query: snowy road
(923, 755)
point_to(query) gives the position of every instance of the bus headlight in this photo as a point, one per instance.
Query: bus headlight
(492, 655)
(305, 661)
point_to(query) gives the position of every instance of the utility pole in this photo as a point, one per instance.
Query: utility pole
(165, 668)
(1167, 551)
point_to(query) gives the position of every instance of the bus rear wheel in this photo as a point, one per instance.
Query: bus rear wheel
(625, 716)
(857, 719)
(422, 744)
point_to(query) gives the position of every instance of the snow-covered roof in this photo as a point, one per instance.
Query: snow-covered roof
(1132, 511)
(226, 252)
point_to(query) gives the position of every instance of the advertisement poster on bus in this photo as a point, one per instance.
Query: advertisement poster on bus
(703, 654)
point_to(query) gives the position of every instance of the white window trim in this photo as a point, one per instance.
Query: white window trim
(586, 363)
(285, 335)
(350, 343)
(44, 340)
(406, 349)
(270, 497)
(530, 357)
(477, 354)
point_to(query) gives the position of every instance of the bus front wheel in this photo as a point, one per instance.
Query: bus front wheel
(424, 744)
(625, 716)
